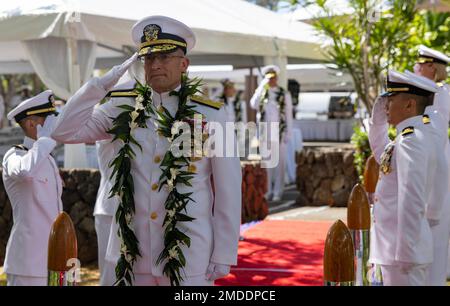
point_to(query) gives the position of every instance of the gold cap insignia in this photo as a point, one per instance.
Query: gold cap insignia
(151, 32)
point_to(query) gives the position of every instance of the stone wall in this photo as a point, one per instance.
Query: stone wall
(325, 176)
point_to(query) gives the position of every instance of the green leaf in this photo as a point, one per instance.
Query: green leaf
(128, 108)
(184, 218)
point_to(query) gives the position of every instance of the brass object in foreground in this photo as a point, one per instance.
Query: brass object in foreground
(62, 252)
(358, 209)
(371, 173)
(338, 264)
(358, 220)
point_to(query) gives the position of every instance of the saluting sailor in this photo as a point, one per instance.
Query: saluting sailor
(274, 104)
(401, 240)
(34, 187)
(196, 251)
(432, 64)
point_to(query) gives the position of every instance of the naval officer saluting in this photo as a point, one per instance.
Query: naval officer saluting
(34, 187)
(401, 240)
(274, 105)
(214, 232)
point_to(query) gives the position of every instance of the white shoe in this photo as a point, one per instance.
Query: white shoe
(276, 198)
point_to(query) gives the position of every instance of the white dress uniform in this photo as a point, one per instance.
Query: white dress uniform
(441, 231)
(230, 108)
(34, 187)
(401, 239)
(439, 114)
(215, 231)
(104, 210)
(275, 175)
(105, 207)
(236, 111)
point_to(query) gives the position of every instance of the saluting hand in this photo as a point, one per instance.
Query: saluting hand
(379, 111)
(112, 76)
(265, 80)
(47, 129)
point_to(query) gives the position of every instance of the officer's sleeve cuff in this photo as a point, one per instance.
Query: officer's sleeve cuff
(47, 141)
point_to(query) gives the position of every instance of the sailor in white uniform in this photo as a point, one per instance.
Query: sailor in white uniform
(401, 239)
(163, 43)
(34, 187)
(432, 64)
(274, 105)
(236, 110)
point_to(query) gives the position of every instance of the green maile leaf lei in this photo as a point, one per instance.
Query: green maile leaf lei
(122, 130)
(173, 176)
(281, 99)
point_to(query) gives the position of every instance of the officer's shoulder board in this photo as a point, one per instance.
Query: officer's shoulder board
(206, 102)
(20, 147)
(407, 131)
(122, 93)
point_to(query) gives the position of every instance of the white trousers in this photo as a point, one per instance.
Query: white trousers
(275, 175)
(396, 276)
(19, 280)
(107, 269)
(150, 280)
(437, 275)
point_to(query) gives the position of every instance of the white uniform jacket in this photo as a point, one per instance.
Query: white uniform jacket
(34, 187)
(438, 198)
(400, 231)
(104, 205)
(106, 151)
(214, 235)
(441, 105)
(230, 109)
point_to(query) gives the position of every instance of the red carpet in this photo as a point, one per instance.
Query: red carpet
(280, 253)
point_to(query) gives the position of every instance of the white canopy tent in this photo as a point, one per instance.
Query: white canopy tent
(63, 41)
(228, 32)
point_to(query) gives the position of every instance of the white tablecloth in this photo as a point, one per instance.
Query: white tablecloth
(329, 130)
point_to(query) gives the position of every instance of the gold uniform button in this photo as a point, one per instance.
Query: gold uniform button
(154, 215)
(157, 159)
(192, 168)
(154, 187)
